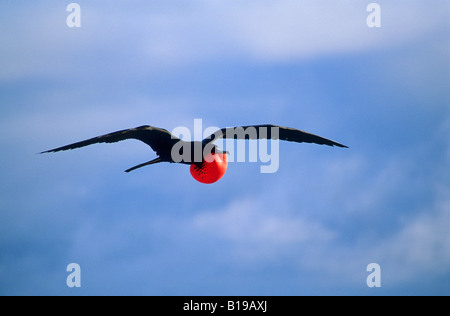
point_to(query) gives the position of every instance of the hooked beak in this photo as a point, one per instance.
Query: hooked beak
(223, 152)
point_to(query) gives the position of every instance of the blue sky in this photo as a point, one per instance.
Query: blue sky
(311, 228)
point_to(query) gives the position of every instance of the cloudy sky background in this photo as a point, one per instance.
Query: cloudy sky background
(311, 228)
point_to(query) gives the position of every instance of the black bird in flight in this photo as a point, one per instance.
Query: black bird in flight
(163, 142)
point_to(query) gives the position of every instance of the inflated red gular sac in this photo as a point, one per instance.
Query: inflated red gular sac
(212, 169)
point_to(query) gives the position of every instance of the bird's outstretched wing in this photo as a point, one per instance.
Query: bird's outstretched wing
(158, 139)
(270, 132)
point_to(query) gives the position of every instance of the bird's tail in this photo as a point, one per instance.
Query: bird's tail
(157, 160)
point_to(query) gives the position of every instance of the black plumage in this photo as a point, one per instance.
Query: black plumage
(163, 142)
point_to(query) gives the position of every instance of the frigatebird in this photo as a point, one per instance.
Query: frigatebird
(163, 143)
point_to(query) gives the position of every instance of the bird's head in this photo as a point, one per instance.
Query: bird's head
(216, 150)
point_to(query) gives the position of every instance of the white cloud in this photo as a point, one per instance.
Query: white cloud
(258, 231)
(290, 29)
(123, 39)
(281, 30)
